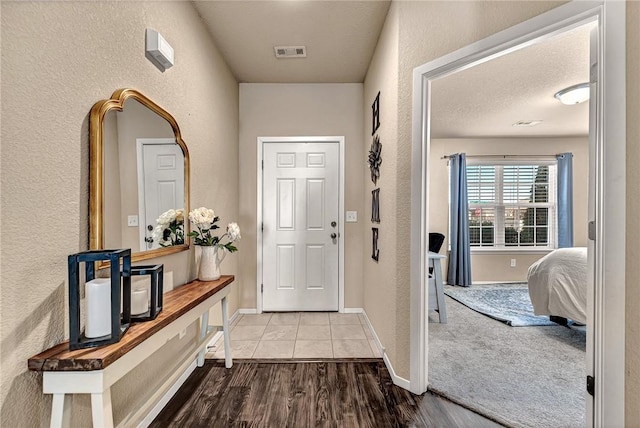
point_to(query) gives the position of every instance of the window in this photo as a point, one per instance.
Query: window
(512, 205)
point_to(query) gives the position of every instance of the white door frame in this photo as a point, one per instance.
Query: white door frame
(607, 340)
(341, 236)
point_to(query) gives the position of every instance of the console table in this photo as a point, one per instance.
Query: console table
(94, 370)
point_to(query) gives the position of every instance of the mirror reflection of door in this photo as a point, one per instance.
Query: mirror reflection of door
(300, 237)
(124, 224)
(160, 184)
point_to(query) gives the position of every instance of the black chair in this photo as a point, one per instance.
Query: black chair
(435, 243)
(437, 301)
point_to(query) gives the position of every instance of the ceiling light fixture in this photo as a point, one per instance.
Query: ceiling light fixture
(575, 94)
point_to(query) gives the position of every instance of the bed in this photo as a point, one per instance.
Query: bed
(558, 284)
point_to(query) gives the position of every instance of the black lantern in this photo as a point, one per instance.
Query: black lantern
(155, 306)
(105, 323)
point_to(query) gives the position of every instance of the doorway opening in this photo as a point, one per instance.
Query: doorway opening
(512, 178)
(605, 346)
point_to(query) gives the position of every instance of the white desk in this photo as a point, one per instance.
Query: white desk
(436, 289)
(93, 371)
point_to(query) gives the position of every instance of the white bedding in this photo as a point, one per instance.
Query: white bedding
(558, 284)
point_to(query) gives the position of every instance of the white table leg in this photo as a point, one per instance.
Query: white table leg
(101, 409)
(225, 332)
(204, 326)
(61, 411)
(442, 308)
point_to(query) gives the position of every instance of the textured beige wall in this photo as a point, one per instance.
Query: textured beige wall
(276, 110)
(496, 267)
(380, 286)
(425, 31)
(58, 59)
(632, 311)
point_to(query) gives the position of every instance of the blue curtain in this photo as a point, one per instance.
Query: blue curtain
(565, 200)
(460, 257)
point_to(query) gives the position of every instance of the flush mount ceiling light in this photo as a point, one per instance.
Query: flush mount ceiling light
(575, 94)
(525, 123)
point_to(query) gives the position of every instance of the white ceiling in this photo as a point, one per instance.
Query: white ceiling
(341, 35)
(485, 101)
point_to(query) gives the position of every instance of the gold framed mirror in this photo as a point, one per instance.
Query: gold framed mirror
(139, 177)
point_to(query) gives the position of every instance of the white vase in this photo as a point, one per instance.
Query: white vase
(210, 259)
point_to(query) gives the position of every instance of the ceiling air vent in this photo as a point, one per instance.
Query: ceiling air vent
(290, 51)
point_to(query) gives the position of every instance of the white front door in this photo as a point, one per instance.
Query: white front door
(300, 250)
(160, 183)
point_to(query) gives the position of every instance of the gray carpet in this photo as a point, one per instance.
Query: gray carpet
(508, 303)
(520, 377)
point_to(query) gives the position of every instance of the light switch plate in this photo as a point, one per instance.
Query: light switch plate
(352, 216)
(132, 221)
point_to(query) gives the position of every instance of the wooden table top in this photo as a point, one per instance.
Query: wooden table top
(176, 302)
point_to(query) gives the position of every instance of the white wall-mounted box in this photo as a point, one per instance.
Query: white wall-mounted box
(159, 48)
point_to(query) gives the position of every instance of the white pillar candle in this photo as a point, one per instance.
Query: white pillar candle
(98, 305)
(139, 301)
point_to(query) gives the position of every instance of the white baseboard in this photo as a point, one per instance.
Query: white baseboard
(373, 332)
(251, 311)
(496, 282)
(397, 380)
(214, 339)
(155, 411)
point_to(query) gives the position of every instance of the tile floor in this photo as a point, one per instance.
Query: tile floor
(299, 335)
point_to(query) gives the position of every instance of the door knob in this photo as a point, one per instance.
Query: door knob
(334, 236)
(334, 224)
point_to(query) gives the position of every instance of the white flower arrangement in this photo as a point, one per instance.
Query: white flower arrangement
(205, 221)
(169, 228)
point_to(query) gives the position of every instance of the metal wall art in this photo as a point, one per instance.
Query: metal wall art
(375, 254)
(375, 114)
(375, 206)
(375, 159)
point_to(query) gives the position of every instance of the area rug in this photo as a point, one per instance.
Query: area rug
(505, 302)
(520, 377)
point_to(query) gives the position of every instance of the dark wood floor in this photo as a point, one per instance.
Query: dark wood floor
(329, 393)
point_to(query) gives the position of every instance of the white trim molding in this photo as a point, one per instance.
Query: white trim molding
(148, 419)
(397, 380)
(341, 173)
(606, 344)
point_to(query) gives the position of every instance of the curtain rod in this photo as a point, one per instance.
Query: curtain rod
(508, 156)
